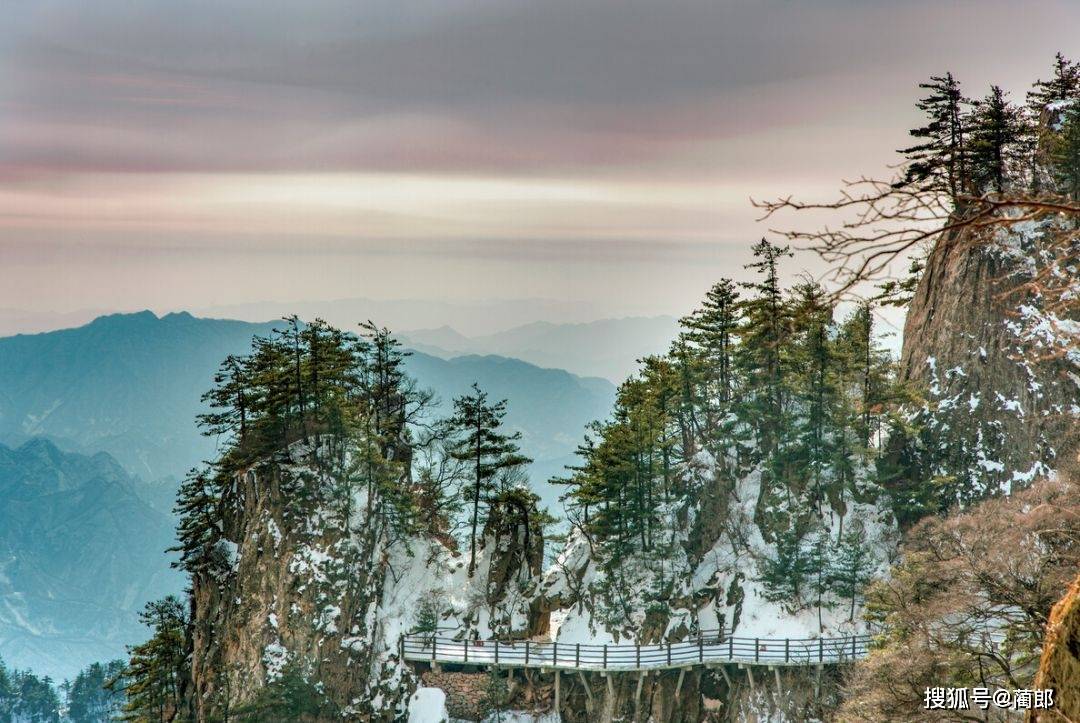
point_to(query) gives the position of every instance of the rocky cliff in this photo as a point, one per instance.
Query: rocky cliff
(990, 340)
(297, 594)
(992, 360)
(310, 592)
(709, 579)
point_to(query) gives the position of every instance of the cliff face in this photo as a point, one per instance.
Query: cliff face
(312, 592)
(300, 594)
(708, 578)
(992, 363)
(984, 342)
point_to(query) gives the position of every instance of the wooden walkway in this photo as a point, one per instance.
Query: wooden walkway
(710, 647)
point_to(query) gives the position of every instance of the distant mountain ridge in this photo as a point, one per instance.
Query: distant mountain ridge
(130, 385)
(80, 553)
(86, 412)
(472, 317)
(127, 384)
(607, 348)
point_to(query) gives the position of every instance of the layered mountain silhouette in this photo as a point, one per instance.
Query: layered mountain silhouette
(129, 385)
(81, 552)
(606, 348)
(99, 423)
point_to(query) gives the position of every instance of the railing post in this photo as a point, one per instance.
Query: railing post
(554, 653)
(820, 650)
(434, 643)
(637, 655)
(466, 650)
(669, 653)
(701, 649)
(605, 656)
(526, 652)
(731, 647)
(787, 648)
(496, 651)
(757, 649)
(577, 656)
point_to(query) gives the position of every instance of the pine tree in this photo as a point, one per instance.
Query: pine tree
(867, 368)
(88, 699)
(497, 694)
(199, 528)
(26, 698)
(158, 669)
(641, 424)
(7, 694)
(1065, 155)
(940, 162)
(712, 328)
(852, 566)
(783, 574)
(269, 378)
(479, 442)
(997, 133)
(331, 366)
(429, 612)
(814, 366)
(294, 343)
(662, 379)
(819, 568)
(1064, 85)
(391, 403)
(763, 334)
(690, 371)
(229, 401)
(899, 292)
(384, 385)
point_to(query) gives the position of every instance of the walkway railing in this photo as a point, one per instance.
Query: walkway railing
(708, 647)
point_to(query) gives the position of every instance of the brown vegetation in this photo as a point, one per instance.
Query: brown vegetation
(968, 603)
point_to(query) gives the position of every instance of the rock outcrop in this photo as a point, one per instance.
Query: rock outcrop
(1059, 667)
(311, 591)
(708, 579)
(990, 360)
(298, 595)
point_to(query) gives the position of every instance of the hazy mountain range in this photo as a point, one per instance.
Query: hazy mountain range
(99, 423)
(129, 385)
(607, 348)
(471, 317)
(80, 553)
(126, 384)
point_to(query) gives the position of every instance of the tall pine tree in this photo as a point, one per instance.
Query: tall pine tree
(939, 162)
(997, 133)
(158, 670)
(1064, 85)
(1065, 155)
(479, 442)
(764, 332)
(712, 328)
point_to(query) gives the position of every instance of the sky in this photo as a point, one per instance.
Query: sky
(173, 155)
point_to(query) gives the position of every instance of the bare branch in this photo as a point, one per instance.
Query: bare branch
(888, 219)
